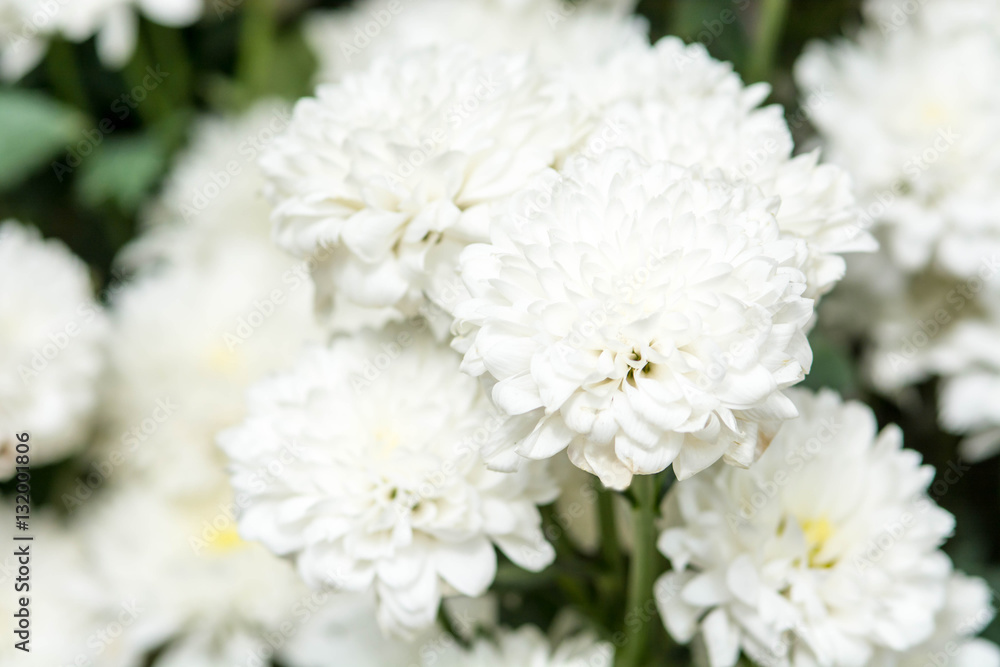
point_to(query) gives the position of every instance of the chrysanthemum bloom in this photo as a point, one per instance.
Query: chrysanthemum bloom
(556, 33)
(383, 178)
(825, 552)
(673, 102)
(51, 346)
(527, 646)
(643, 316)
(911, 113)
(387, 491)
(27, 25)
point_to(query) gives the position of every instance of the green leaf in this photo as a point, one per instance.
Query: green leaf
(831, 367)
(34, 128)
(122, 171)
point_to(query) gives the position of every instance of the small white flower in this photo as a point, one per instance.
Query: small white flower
(383, 178)
(825, 552)
(528, 647)
(51, 347)
(204, 594)
(646, 316)
(388, 491)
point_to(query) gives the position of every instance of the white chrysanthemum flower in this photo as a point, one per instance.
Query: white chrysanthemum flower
(51, 346)
(673, 102)
(73, 616)
(27, 26)
(556, 33)
(383, 178)
(205, 595)
(527, 647)
(968, 609)
(825, 552)
(912, 115)
(214, 307)
(646, 316)
(388, 490)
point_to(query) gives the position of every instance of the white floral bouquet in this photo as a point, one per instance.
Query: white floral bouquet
(510, 343)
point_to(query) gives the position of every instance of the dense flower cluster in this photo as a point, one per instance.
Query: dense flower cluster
(384, 374)
(911, 112)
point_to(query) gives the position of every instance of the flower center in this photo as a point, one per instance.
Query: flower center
(226, 541)
(817, 532)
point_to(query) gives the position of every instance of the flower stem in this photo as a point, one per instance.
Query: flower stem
(64, 74)
(610, 547)
(770, 25)
(642, 572)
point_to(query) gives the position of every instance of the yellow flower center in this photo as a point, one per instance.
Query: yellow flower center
(817, 532)
(224, 361)
(226, 541)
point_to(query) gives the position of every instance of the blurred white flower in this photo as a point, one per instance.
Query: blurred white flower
(528, 647)
(27, 25)
(345, 628)
(968, 609)
(911, 113)
(383, 178)
(970, 404)
(556, 33)
(673, 102)
(825, 552)
(52, 336)
(213, 307)
(387, 490)
(207, 596)
(646, 316)
(73, 615)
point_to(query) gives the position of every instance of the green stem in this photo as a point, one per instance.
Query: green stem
(169, 49)
(138, 74)
(610, 547)
(642, 570)
(64, 74)
(256, 49)
(770, 25)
